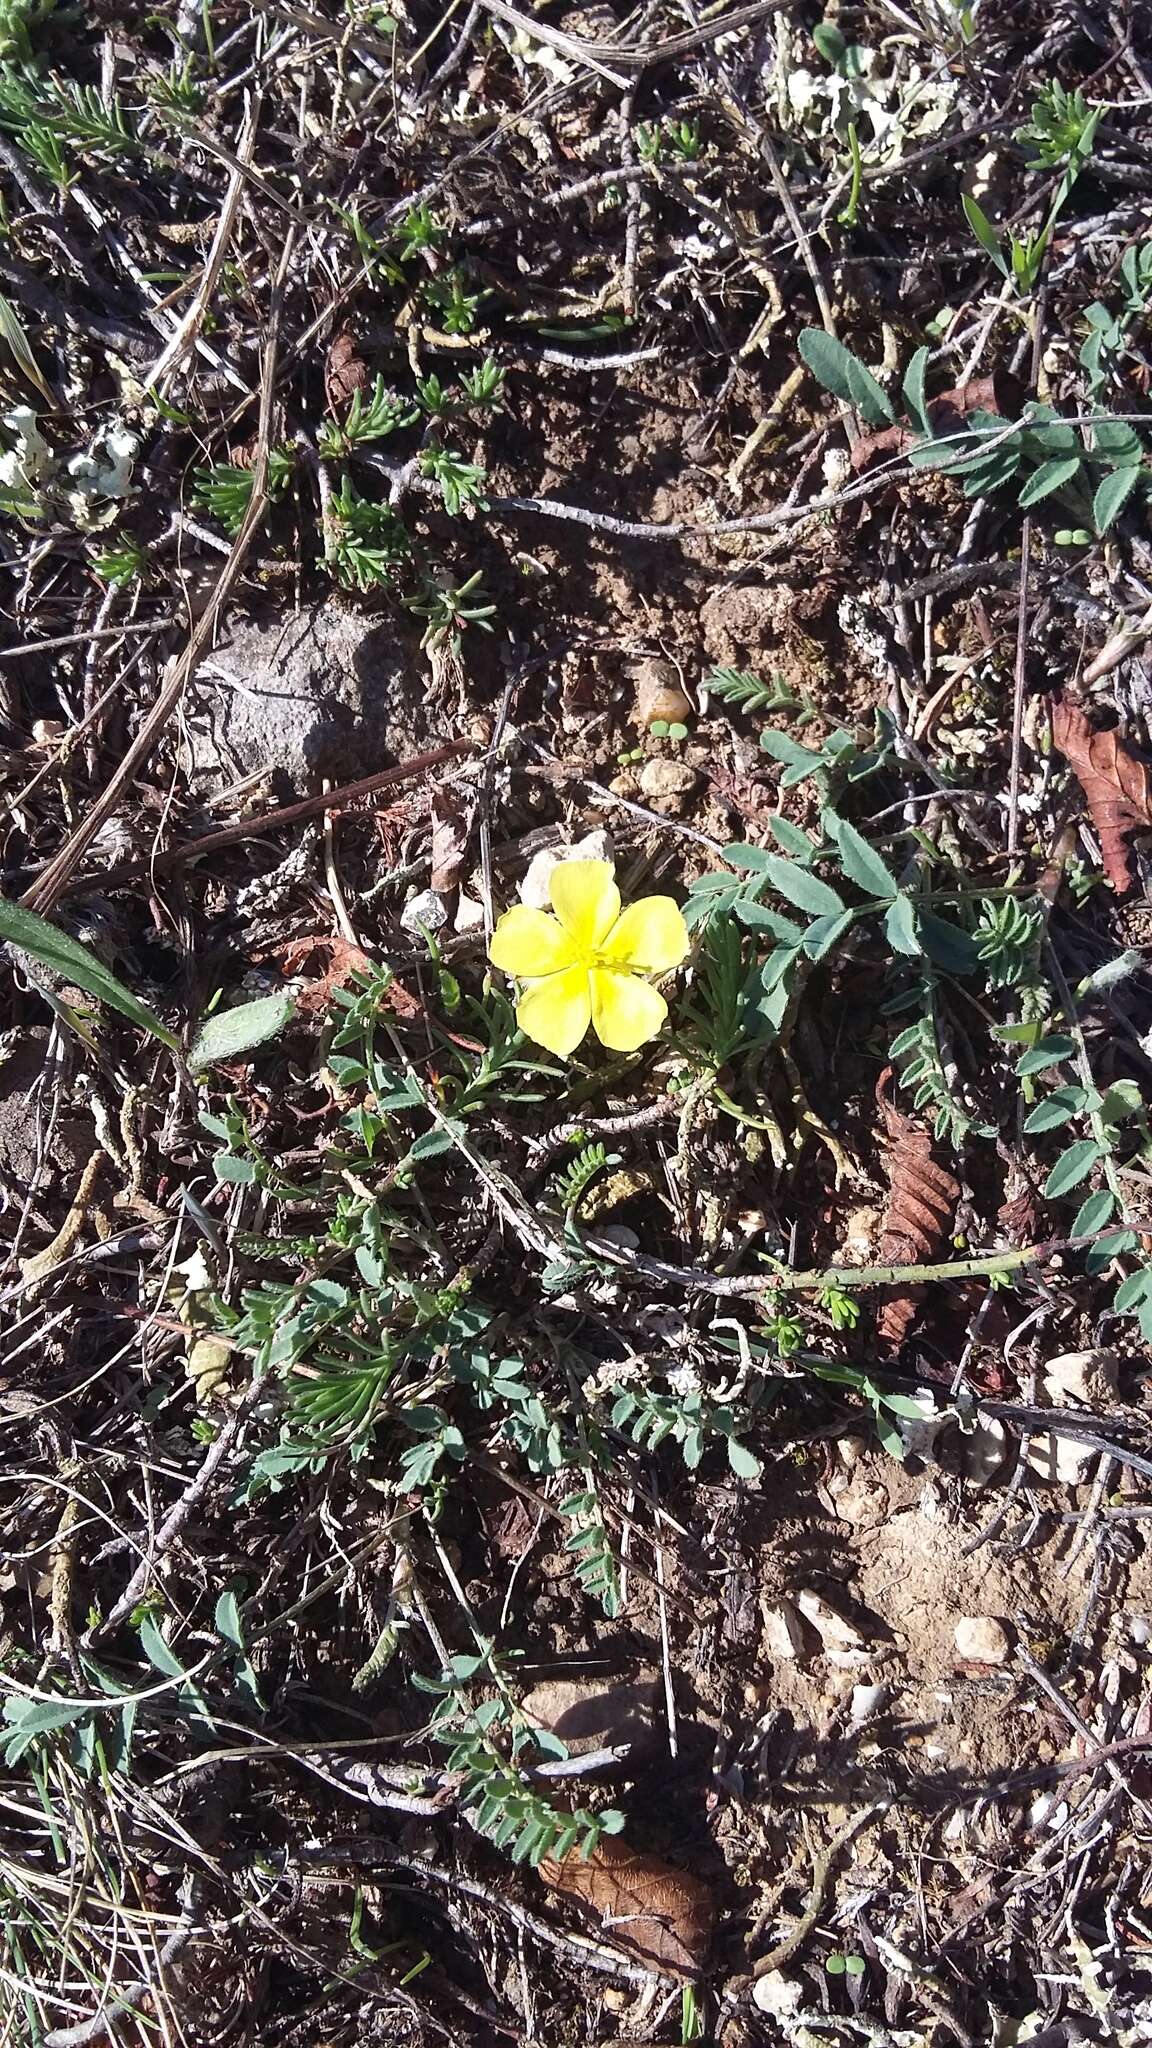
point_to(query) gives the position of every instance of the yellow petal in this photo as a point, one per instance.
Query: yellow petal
(556, 1011)
(530, 942)
(649, 937)
(586, 900)
(626, 1012)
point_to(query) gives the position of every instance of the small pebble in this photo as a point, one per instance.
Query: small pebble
(425, 912)
(668, 784)
(1087, 1376)
(981, 1639)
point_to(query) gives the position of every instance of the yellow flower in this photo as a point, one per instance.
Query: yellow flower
(585, 965)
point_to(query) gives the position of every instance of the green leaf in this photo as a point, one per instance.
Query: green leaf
(40, 1717)
(984, 231)
(67, 957)
(913, 388)
(740, 1458)
(794, 842)
(1072, 1167)
(1135, 1289)
(1051, 476)
(227, 1166)
(860, 862)
(157, 1651)
(799, 887)
(830, 43)
(948, 944)
(1094, 1212)
(1049, 1053)
(822, 935)
(229, 1033)
(1112, 494)
(842, 373)
(227, 1620)
(783, 748)
(1056, 1109)
(900, 927)
(751, 859)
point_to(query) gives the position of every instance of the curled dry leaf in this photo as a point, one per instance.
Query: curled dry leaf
(946, 411)
(345, 371)
(451, 824)
(661, 1914)
(922, 1199)
(325, 963)
(1116, 784)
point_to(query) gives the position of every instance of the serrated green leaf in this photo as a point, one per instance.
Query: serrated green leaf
(800, 887)
(1072, 1167)
(795, 843)
(900, 928)
(860, 862)
(1111, 496)
(1050, 477)
(740, 1458)
(1094, 1212)
(229, 1033)
(1135, 1289)
(65, 955)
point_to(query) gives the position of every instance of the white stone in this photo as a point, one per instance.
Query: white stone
(425, 912)
(981, 1639)
(784, 1633)
(1087, 1376)
(1060, 1458)
(834, 1632)
(779, 1996)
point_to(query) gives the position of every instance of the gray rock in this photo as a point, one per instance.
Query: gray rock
(322, 691)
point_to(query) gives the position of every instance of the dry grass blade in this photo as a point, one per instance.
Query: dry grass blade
(1116, 784)
(659, 1913)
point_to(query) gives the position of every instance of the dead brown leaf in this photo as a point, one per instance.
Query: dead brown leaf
(656, 1912)
(947, 412)
(1116, 784)
(451, 824)
(345, 371)
(922, 1200)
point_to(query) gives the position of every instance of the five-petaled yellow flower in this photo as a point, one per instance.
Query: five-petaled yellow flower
(586, 965)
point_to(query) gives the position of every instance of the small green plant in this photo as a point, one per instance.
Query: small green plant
(371, 416)
(461, 483)
(684, 140)
(35, 109)
(448, 297)
(843, 1310)
(419, 232)
(121, 565)
(368, 542)
(1062, 128)
(450, 608)
(751, 693)
(495, 1786)
(483, 387)
(662, 729)
(18, 19)
(225, 490)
